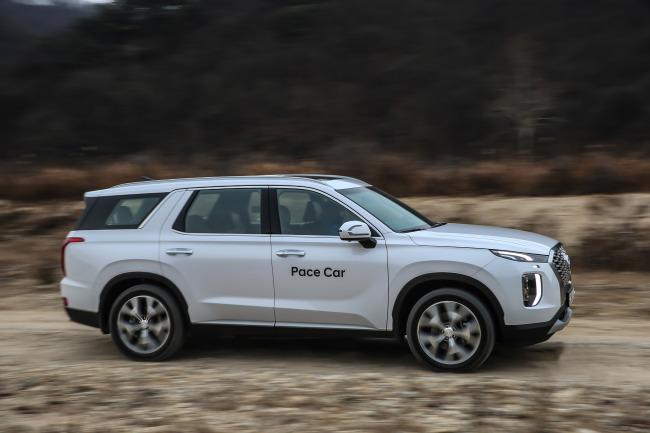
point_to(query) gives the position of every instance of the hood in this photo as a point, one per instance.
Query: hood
(473, 236)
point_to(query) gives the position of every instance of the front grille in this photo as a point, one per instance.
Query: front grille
(562, 265)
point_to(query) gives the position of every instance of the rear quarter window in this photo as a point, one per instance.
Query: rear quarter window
(117, 212)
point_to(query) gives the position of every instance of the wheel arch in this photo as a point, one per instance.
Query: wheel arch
(420, 286)
(120, 283)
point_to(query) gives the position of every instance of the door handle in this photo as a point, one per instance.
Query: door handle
(176, 251)
(285, 253)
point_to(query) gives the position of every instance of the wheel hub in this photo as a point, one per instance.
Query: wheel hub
(449, 333)
(144, 324)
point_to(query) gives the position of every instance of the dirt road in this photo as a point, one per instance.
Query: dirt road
(57, 376)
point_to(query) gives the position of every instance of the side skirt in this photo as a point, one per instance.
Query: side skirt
(204, 330)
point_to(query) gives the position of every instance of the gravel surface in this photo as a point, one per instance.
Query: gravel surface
(58, 376)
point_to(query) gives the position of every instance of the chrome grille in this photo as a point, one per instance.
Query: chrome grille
(562, 265)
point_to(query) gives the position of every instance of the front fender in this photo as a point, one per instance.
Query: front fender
(439, 280)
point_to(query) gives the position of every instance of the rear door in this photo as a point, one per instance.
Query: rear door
(320, 280)
(216, 248)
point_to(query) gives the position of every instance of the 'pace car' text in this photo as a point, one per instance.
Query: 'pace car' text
(327, 272)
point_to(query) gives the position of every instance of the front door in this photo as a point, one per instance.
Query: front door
(320, 280)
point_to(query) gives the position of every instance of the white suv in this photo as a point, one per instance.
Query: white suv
(310, 255)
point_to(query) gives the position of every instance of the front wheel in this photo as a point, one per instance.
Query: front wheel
(146, 323)
(450, 330)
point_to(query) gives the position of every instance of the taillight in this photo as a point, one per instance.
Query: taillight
(67, 242)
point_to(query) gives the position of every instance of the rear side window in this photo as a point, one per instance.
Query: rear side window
(223, 211)
(118, 212)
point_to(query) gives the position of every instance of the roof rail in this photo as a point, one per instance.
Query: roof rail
(319, 176)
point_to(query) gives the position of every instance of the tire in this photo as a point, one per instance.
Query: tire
(450, 330)
(146, 323)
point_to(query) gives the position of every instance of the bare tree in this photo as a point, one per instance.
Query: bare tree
(525, 100)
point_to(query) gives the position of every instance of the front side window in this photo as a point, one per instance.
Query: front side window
(304, 212)
(392, 212)
(223, 211)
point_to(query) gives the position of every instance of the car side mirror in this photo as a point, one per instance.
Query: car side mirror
(357, 231)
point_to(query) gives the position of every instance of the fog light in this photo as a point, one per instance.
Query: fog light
(531, 289)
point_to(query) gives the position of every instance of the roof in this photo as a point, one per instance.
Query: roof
(168, 185)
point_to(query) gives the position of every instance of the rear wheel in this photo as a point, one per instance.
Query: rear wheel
(450, 330)
(146, 323)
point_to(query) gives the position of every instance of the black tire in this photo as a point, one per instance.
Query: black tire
(450, 330)
(146, 323)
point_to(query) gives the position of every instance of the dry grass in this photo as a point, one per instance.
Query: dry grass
(399, 174)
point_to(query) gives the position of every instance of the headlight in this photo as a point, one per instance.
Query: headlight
(521, 257)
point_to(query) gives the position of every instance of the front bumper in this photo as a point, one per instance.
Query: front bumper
(561, 323)
(525, 335)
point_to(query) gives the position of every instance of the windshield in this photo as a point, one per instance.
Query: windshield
(392, 212)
